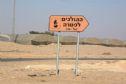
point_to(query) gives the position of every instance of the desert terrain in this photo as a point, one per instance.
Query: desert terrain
(41, 71)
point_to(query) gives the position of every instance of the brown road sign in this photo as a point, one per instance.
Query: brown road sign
(67, 23)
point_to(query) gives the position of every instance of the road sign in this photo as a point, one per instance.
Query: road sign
(67, 23)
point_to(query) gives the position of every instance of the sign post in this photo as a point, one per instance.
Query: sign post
(77, 53)
(67, 24)
(58, 50)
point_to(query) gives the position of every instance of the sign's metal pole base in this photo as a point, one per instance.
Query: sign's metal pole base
(77, 53)
(58, 50)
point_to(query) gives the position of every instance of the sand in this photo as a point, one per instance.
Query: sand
(43, 71)
(8, 49)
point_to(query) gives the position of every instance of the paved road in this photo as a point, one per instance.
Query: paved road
(35, 59)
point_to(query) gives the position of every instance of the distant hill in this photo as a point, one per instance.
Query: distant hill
(45, 39)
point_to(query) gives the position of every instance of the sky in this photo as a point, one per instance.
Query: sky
(107, 18)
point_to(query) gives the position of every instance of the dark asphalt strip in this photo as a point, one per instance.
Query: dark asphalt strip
(35, 59)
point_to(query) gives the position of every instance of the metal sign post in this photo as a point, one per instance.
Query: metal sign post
(77, 53)
(58, 50)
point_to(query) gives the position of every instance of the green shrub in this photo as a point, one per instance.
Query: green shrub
(40, 43)
(68, 43)
(48, 33)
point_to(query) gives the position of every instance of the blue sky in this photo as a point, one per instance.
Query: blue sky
(107, 18)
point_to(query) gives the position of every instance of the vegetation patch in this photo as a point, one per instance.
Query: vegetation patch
(40, 43)
(106, 53)
(48, 33)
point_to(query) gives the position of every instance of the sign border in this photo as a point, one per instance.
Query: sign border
(68, 31)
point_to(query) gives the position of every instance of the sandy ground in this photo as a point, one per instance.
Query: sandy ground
(8, 49)
(43, 71)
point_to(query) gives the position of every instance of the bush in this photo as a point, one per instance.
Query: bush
(40, 43)
(48, 33)
(34, 32)
(68, 43)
